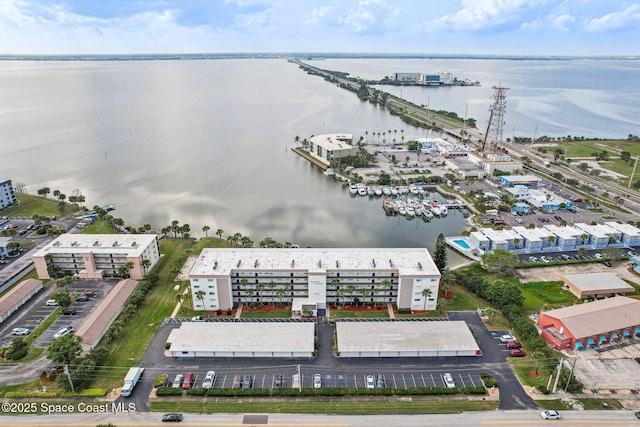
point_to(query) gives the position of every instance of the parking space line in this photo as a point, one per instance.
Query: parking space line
(405, 382)
(432, 380)
(461, 380)
(395, 385)
(423, 381)
(472, 382)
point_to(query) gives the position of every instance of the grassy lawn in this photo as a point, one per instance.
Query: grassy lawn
(29, 205)
(539, 294)
(372, 314)
(589, 404)
(99, 226)
(278, 314)
(135, 337)
(462, 300)
(342, 406)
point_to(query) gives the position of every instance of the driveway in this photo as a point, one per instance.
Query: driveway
(545, 274)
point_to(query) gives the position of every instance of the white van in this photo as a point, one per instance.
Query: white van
(51, 302)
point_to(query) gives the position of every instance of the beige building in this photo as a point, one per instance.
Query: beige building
(221, 278)
(96, 256)
(328, 147)
(591, 285)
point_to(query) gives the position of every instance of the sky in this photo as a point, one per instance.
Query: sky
(482, 27)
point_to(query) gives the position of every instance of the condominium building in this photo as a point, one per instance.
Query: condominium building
(221, 278)
(328, 147)
(95, 256)
(7, 194)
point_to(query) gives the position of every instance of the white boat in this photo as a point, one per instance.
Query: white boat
(410, 210)
(443, 210)
(377, 191)
(426, 213)
(435, 208)
(329, 172)
(403, 190)
(402, 210)
(362, 190)
(413, 189)
(395, 191)
(353, 188)
(371, 191)
(386, 190)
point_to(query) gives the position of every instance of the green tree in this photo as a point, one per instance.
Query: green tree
(501, 260)
(146, 263)
(200, 295)
(64, 349)
(426, 293)
(491, 313)
(64, 281)
(62, 297)
(440, 253)
(206, 229)
(125, 269)
(219, 233)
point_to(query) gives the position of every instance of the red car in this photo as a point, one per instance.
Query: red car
(517, 352)
(513, 345)
(188, 381)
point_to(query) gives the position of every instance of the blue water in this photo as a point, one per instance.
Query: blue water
(462, 244)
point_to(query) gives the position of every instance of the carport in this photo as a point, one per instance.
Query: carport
(242, 339)
(16, 297)
(405, 339)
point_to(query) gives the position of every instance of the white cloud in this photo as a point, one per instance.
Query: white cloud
(616, 20)
(564, 22)
(318, 14)
(478, 14)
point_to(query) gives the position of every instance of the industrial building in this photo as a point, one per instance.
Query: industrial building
(222, 278)
(526, 180)
(405, 339)
(591, 324)
(17, 296)
(595, 285)
(328, 147)
(242, 339)
(97, 256)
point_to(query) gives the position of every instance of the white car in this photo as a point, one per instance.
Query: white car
(597, 255)
(317, 381)
(448, 380)
(51, 302)
(370, 382)
(550, 415)
(506, 338)
(20, 331)
(209, 379)
(62, 332)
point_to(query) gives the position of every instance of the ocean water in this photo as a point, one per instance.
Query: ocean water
(208, 142)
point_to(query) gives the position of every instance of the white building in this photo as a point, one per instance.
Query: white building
(567, 237)
(409, 77)
(328, 147)
(629, 235)
(96, 256)
(598, 234)
(221, 278)
(532, 242)
(7, 194)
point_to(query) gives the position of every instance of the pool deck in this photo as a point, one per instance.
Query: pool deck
(471, 253)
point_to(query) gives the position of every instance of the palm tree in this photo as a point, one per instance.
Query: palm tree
(146, 263)
(491, 313)
(551, 240)
(206, 229)
(124, 269)
(250, 292)
(340, 295)
(583, 237)
(259, 289)
(200, 295)
(272, 287)
(281, 292)
(426, 293)
(219, 233)
(352, 291)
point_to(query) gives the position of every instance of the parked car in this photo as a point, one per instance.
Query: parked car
(198, 319)
(89, 294)
(51, 302)
(519, 221)
(317, 381)
(545, 258)
(69, 311)
(607, 263)
(209, 379)
(576, 200)
(638, 415)
(380, 383)
(172, 417)
(237, 381)
(188, 380)
(62, 332)
(558, 217)
(247, 382)
(513, 344)
(20, 331)
(177, 381)
(507, 338)
(278, 381)
(295, 381)
(550, 415)
(533, 259)
(82, 298)
(448, 380)
(598, 255)
(565, 256)
(517, 352)
(370, 382)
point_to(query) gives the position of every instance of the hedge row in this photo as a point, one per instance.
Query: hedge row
(333, 392)
(91, 392)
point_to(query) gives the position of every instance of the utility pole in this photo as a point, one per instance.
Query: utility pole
(555, 383)
(299, 380)
(66, 371)
(570, 373)
(633, 171)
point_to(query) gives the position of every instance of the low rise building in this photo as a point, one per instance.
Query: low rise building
(596, 285)
(328, 147)
(7, 194)
(629, 235)
(526, 180)
(591, 324)
(567, 237)
(96, 256)
(221, 278)
(409, 77)
(599, 235)
(531, 241)
(17, 296)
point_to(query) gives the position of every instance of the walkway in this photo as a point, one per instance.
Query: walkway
(392, 314)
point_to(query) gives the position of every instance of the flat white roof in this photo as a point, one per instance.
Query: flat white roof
(564, 232)
(626, 229)
(597, 230)
(125, 244)
(529, 234)
(243, 337)
(598, 282)
(520, 178)
(333, 141)
(222, 261)
(405, 336)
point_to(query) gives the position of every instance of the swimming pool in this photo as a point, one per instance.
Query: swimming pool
(462, 244)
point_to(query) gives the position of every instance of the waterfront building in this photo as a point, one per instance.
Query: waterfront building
(448, 150)
(591, 324)
(465, 168)
(97, 256)
(446, 78)
(7, 194)
(500, 162)
(526, 180)
(480, 241)
(432, 80)
(539, 198)
(409, 77)
(498, 238)
(629, 235)
(328, 147)
(223, 278)
(531, 240)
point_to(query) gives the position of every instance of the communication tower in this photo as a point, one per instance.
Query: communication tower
(496, 118)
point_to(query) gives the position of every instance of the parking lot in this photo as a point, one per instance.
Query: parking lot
(36, 310)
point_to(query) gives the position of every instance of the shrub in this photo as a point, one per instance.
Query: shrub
(489, 380)
(169, 391)
(160, 380)
(19, 353)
